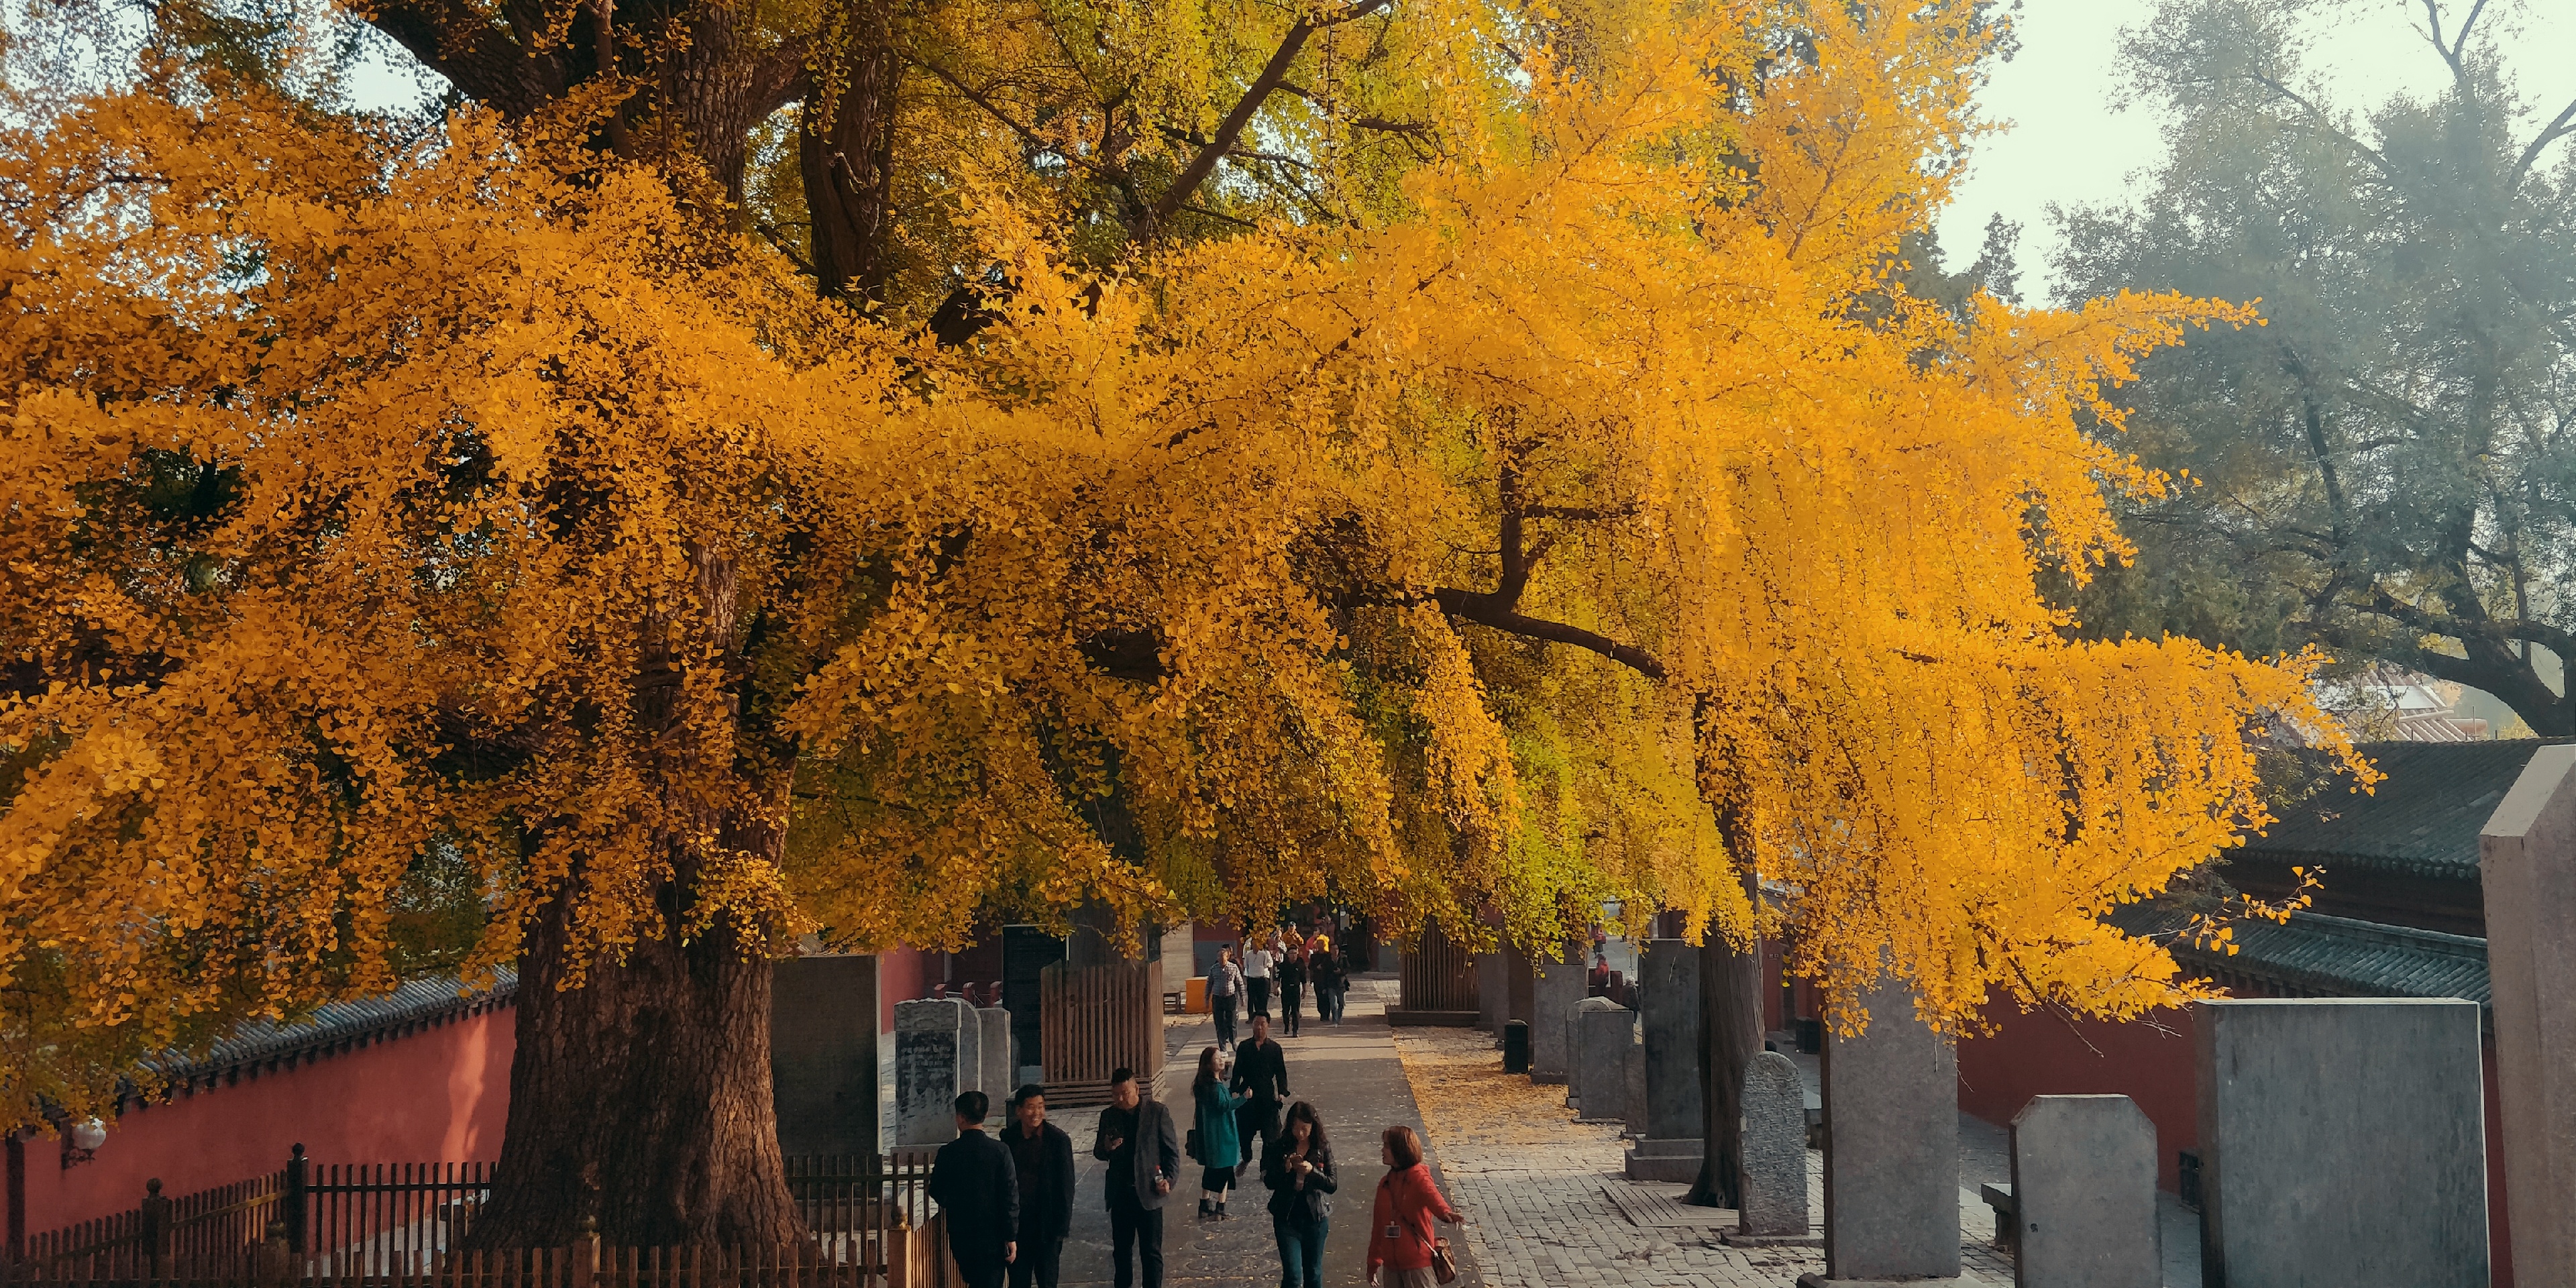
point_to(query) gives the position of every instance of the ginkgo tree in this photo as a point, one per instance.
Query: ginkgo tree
(1572, 504)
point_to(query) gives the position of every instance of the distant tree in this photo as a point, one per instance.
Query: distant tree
(2385, 466)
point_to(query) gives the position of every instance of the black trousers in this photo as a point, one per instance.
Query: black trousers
(1036, 1266)
(1288, 1007)
(981, 1267)
(1135, 1234)
(1254, 1124)
(1260, 995)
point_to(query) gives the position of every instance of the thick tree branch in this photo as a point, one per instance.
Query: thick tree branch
(1468, 606)
(2558, 128)
(2454, 53)
(1231, 128)
(1499, 608)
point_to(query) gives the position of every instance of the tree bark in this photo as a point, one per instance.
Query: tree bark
(1730, 1017)
(641, 1099)
(846, 153)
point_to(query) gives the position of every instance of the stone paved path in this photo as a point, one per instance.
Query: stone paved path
(1529, 1178)
(1357, 1083)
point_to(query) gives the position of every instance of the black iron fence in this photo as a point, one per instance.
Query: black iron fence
(391, 1224)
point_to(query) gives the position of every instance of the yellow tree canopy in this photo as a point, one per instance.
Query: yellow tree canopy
(469, 513)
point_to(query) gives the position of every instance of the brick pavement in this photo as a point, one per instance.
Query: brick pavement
(1527, 1177)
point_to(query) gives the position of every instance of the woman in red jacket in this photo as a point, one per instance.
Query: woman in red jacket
(1400, 1234)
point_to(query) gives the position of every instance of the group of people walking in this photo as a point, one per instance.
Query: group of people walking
(1244, 976)
(1009, 1203)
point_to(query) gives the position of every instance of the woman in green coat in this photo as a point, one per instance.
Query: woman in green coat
(1220, 1146)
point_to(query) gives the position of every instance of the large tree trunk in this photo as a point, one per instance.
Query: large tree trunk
(846, 153)
(641, 1099)
(1730, 1018)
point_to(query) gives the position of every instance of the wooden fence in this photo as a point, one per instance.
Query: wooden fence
(1095, 1019)
(1437, 978)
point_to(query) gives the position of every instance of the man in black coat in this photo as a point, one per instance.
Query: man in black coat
(1144, 1152)
(973, 1184)
(1260, 1071)
(1042, 1159)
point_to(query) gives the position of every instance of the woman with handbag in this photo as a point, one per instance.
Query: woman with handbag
(1216, 1145)
(1297, 1165)
(1400, 1235)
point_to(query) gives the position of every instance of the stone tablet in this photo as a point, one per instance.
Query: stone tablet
(1891, 1146)
(970, 1052)
(2084, 1194)
(996, 1053)
(1559, 986)
(2342, 1141)
(2527, 869)
(1668, 996)
(927, 1072)
(823, 1054)
(1775, 1148)
(1603, 1032)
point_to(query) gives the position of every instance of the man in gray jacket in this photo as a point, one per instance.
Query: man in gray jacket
(1144, 1152)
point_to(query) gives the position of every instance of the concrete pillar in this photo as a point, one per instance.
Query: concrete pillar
(2084, 1194)
(2342, 1141)
(1559, 986)
(2527, 865)
(1891, 1146)
(823, 1054)
(928, 1068)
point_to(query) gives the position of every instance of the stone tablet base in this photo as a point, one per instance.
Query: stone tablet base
(1399, 1017)
(1665, 1160)
(1733, 1240)
(1813, 1280)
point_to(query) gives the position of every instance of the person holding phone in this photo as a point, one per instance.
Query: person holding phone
(1298, 1168)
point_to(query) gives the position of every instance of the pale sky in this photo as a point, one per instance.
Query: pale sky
(2067, 138)
(2070, 143)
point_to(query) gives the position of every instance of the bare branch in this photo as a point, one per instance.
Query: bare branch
(2558, 128)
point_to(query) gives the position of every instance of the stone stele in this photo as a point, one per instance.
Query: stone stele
(1603, 1031)
(1559, 986)
(1891, 1146)
(2342, 1141)
(970, 1051)
(2084, 1194)
(823, 1045)
(928, 1073)
(1775, 1149)
(995, 1053)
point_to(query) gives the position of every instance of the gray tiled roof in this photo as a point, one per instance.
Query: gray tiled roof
(2423, 820)
(2313, 955)
(335, 1024)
